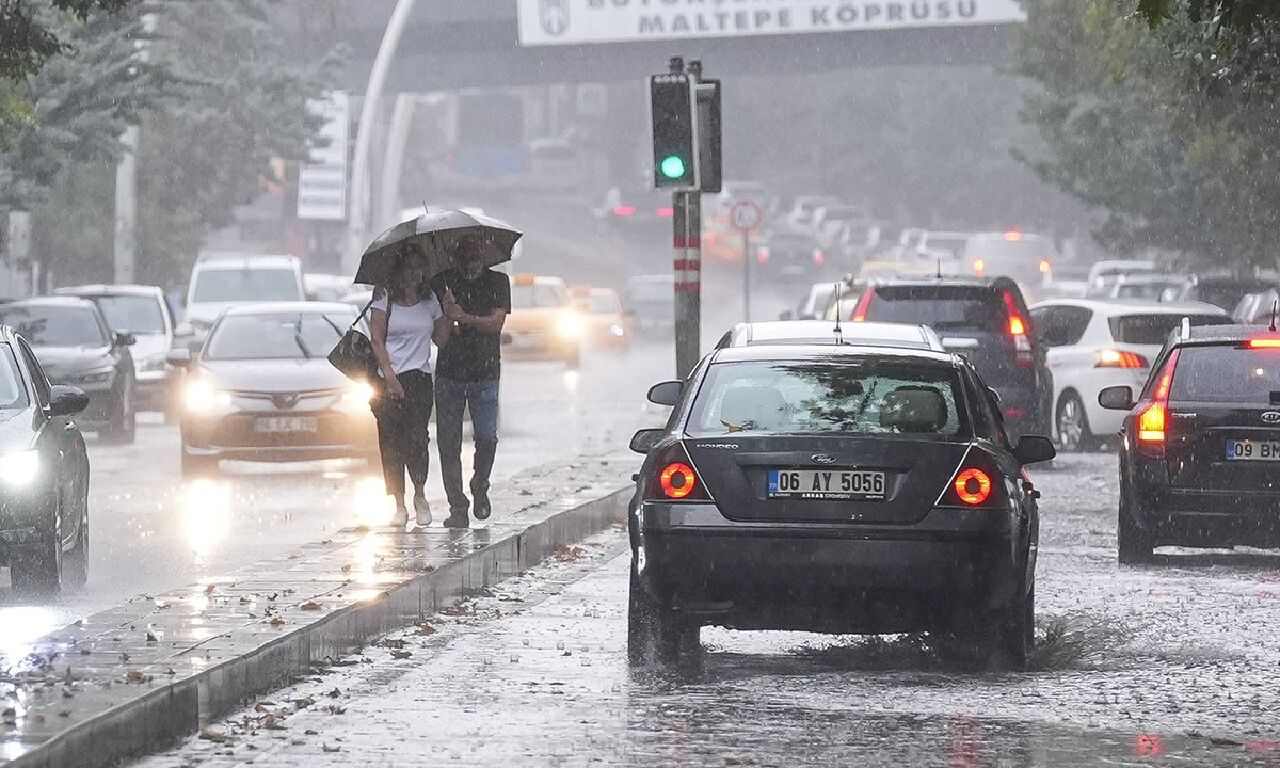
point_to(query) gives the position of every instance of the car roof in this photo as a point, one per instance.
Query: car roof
(799, 352)
(824, 331)
(218, 259)
(1149, 278)
(52, 301)
(1233, 333)
(944, 281)
(101, 289)
(274, 307)
(1130, 307)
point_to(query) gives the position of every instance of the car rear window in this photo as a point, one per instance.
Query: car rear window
(944, 307)
(862, 397)
(1226, 375)
(1154, 329)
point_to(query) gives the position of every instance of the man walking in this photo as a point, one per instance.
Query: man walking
(478, 300)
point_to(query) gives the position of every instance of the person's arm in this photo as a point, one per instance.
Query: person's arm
(442, 329)
(378, 333)
(490, 323)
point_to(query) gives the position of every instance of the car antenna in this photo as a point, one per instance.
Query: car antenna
(839, 329)
(1275, 310)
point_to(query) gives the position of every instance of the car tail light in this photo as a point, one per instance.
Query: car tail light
(1045, 266)
(762, 255)
(1153, 416)
(972, 486)
(1264, 344)
(979, 267)
(1116, 358)
(860, 311)
(819, 256)
(975, 484)
(1013, 236)
(624, 210)
(1020, 333)
(665, 212)
(674, 478)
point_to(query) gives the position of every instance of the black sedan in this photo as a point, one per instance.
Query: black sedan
(261, 388)
(44, 474)
(838, 490)
(77, 347)
(1200, 449)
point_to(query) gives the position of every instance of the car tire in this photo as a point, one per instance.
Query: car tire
(1017, 632)
(122, 424)
(656, 634)
(37, 569)
(75, 564)
(1134, 545)
(195, 465)
(1071, 425)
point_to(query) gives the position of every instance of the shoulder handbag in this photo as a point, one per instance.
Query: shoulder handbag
(353, 354)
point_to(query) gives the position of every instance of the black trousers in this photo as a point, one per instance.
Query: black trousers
(403, 436)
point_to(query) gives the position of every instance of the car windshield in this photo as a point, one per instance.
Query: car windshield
(51, 326)
(225, 285)
(13, 394)
(952, 247)
(1226, 293)
(135, 314)
(1154, 329)
(1144, 291)
(276, 336)
(603, 304)
(860, 397)
(1226, 375)
(537, 296)
(943, 307)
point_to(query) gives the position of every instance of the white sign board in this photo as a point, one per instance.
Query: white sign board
(322, 182)
(574, 22)
(745, 215)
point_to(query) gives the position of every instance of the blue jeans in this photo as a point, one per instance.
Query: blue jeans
(481, 399)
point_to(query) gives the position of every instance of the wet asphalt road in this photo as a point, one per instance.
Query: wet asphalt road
(1170, 664)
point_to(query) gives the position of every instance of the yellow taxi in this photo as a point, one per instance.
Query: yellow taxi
(606, 322)
(543, 324)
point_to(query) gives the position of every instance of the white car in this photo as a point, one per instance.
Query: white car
(803, 209)
(896, 335)
(1092, 345)
(223, 280)
(1103, 273)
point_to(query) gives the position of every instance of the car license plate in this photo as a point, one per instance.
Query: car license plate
(285, 424)
(1253, 450)
(825, 484)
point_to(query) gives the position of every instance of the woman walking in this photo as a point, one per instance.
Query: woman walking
(403, 326)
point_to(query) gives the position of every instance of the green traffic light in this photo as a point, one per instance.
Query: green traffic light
(672, 167)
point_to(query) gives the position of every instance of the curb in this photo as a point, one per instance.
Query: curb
(159, 716)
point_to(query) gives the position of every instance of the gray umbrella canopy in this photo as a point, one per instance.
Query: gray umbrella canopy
(436, 235)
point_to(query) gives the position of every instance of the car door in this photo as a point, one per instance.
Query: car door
(60, 440)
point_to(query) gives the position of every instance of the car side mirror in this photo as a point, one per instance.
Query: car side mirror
(786, 315)
(645, 440)
(178, 358)
(1118, 398)
(1032, 449)
(666, 393)
(66, 401)
(125, 339)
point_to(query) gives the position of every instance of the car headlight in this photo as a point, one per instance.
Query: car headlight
(357, 396)
(95, 376)
(569, 325)
(202, 396)
(19, 468)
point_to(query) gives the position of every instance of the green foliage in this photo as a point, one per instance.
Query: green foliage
(1174, 139)
(1225, 15)
(33, 31)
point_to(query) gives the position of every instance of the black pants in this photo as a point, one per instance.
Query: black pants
(403, 436)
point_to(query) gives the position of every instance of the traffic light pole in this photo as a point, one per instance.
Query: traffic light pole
(687, 231)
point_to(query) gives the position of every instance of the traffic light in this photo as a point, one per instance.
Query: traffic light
(709, 173)
(675, 157)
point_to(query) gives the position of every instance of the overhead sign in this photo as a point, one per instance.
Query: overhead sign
(574, 22)
(322, 182)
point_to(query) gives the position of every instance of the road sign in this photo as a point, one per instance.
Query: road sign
(322, 179)
(746, 215)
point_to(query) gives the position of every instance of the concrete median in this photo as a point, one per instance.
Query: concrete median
(135, 678)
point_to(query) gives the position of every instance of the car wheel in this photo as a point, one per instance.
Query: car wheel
(1073, 424)
(75, 564)
(193, 464)
(122, 424)
(37, 569)
(656, 634)
(1134, 545)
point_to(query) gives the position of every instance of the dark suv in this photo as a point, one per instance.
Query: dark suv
(1201, 444)
(987, 321)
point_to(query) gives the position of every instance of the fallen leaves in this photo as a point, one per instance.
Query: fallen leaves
(312, 605)
(217, 737)
(566, 553)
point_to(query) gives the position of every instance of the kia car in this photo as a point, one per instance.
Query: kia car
(261, 388)
(986, 320)
(44, 474)
(1201, 444)
(76, 347)
(834, 489)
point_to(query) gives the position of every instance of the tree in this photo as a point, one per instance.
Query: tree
(1225, 15)
(1161, 131)
(31, 32)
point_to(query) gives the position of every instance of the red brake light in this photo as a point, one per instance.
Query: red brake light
(665, 212)
(1264, 343)
(624, 210)
(1013, 236)
(973, 486)
(674, 478)
(762, 254)
(1114, 358)
(1016, 326)
(1020, 332)
(1152, 419)
(860, 311)
(819, 257)
(677, 480)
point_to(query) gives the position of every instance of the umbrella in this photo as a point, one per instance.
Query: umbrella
(437, 234)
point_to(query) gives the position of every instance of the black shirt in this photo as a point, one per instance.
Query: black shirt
(471, 354)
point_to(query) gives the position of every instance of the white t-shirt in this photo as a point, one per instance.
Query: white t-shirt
(409, 333)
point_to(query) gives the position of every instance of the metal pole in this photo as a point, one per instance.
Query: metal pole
(123, 246)
(393, 165)
(746, 275)
(360, 181)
